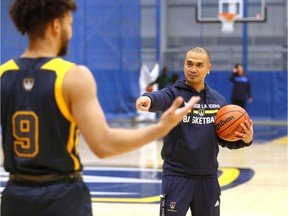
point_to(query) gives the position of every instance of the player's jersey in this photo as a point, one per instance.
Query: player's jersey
(39, 134)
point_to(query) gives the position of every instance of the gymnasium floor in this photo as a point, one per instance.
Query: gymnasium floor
(254, 180)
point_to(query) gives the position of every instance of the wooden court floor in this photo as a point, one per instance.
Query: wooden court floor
(254, 179)
(265, 194)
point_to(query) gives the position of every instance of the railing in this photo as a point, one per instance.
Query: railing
(268, 58)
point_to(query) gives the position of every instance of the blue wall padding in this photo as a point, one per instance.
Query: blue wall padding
(269, 92)
(107, 39)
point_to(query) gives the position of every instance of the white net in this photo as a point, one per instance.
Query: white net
(227, 20)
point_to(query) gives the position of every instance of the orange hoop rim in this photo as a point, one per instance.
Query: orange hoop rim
(228, 16)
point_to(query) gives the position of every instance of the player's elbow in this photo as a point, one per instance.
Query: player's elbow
(102, 151)
(104, 154)
(101, 155)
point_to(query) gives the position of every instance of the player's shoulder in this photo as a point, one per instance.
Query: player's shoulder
(9, 62)
(8, 65)
(81, 70)
(79, 75)
(57, 64)
(79, 81)
(71, 68)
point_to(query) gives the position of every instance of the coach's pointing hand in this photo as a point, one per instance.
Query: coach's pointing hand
(143, 103)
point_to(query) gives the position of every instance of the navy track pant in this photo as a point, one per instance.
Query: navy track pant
(201, 195)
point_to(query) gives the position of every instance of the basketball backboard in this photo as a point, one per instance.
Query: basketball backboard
(245, 10)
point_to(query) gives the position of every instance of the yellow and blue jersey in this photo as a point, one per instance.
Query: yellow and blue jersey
(39, 134)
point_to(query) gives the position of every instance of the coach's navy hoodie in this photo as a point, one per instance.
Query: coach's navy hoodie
(191, 148)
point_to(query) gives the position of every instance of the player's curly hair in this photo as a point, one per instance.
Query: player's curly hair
(33, 16)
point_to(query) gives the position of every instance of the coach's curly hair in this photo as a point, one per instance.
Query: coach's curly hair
(32, 16)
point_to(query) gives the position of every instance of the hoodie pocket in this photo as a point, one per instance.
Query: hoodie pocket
(178, 153)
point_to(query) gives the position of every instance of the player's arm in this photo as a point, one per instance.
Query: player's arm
(80, 92)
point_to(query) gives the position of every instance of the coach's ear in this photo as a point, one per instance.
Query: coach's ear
(209, 67)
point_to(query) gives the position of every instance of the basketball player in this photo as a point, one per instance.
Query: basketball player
(44, 100)
(190, 150)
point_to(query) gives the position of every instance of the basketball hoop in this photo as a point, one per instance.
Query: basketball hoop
(227, 20)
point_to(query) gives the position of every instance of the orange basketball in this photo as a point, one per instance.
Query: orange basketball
(228, 120)
(149, 88)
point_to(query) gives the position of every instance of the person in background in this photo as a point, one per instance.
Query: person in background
(241, 90)
(45, 102)
(174, 78)
(190, 150)
(162, 80)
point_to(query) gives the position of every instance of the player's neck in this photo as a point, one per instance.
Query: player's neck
(40, 48)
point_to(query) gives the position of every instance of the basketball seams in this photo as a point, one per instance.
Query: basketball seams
(229, 121)
(232, 111)
(231, 124)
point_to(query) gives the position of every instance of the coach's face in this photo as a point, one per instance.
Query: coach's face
(196, 67)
